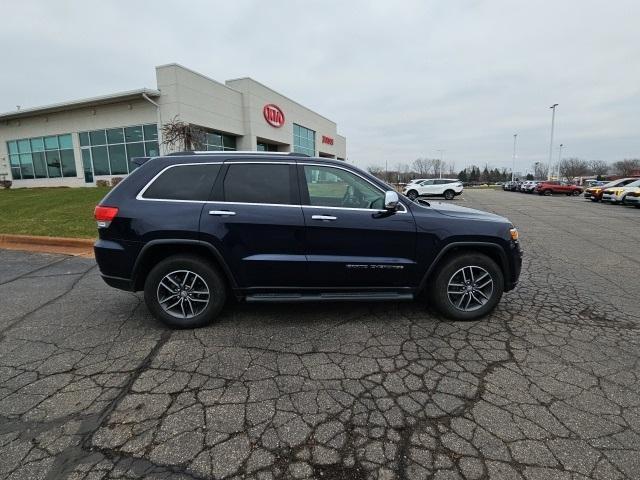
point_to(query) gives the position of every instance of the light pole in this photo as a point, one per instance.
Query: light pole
(441, 152)
(559, 159)
(553, 118)
(513, 168)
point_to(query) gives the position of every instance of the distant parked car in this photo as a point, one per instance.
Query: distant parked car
(617, 195)
(444, 187)
(595, 193)
(529, 186)
(632, 198)
(551, 187)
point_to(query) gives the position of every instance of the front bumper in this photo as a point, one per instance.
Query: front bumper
(515, 263)
(606, 197)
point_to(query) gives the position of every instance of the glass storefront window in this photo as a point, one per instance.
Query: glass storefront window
(219, 141)
(53, 163)
(109, 151)
(42, 157)
(304, 140)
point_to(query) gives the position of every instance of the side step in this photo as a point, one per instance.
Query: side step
(330, 296)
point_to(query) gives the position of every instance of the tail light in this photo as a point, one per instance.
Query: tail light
(104, 215)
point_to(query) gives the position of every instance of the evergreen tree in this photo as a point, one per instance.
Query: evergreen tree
(462, 176)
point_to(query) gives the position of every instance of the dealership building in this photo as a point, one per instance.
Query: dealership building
(78, 142)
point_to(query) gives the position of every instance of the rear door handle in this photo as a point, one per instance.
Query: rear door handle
(328, 218)
(221, 213)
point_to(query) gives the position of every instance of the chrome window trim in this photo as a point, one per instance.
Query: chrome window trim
(154, 178)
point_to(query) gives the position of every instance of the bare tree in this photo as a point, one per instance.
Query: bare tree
(423, 166)
(180, 136)
(598, 167)
(573, 167)
(627, 167)
(540, 170)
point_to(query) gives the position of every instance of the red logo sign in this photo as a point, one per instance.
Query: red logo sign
(273, 115)
(327, 140)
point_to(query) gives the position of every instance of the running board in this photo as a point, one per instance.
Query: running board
(330, 296)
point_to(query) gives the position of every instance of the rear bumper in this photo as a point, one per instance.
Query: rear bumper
(115, 260)
(118, 282)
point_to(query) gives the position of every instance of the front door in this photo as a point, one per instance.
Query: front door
(350, 242)
(255, 220)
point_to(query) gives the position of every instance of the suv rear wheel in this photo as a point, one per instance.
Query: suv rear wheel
(412, 194)
(449, 194)
(467, 286)
(184, 291)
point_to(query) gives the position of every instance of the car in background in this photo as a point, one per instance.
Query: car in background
(506, 186)
(616, 195)
(416, 180)
(632, 198)
(529, 186)
(441, 187)
(594, 193)
(549, 187)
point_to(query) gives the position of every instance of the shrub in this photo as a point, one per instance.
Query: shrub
(6, 184)
(115, 181)
(102, 183)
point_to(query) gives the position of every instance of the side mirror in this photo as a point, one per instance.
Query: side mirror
(391, 200)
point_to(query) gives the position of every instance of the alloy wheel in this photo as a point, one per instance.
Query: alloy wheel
(470, 288)
(183, 294)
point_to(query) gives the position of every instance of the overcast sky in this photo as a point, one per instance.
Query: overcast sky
(402, 79)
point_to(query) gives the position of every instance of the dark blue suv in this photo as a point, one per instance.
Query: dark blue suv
(193, 228)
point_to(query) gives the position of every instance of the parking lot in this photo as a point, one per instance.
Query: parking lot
(547, 387)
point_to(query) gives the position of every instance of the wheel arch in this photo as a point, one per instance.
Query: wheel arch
(157, 250)
(492, 250)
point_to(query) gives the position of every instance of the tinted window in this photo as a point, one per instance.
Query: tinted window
(258, 183)
(334, 187)
(184, 182)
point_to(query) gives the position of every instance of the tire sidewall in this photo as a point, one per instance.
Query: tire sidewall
(449, 194)
(412, 195)
(198, 265)
(440, 283)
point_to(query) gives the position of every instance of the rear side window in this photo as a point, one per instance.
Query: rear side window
(184, 182)
(259, 183)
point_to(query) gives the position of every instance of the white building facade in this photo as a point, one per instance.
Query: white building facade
(79, 142)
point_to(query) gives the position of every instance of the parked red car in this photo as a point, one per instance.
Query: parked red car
(551, 187)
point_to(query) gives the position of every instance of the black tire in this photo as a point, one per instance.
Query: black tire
(209, 276)
(449, 194)
(576, 193)
(593, 199)
(439, 285)
(412, 195)
(547, 193)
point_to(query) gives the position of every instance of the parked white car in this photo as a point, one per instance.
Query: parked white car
(416, 180)
(617, 194)
(442, 187)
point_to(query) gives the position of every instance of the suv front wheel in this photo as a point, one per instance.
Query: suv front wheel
(184, 291)
(467, 286)
(449, 194)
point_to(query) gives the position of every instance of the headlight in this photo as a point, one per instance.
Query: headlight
(514, 234)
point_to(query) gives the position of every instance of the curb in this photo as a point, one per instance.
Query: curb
(31, 243)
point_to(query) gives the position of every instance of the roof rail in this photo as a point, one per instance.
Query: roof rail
(234, 152)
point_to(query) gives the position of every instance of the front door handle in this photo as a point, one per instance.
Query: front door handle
(328, 218)
(221, 213)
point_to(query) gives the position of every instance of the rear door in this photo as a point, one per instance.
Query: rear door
(255, 220)
(350, 242)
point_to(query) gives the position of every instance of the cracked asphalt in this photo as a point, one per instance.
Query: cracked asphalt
(547, 387)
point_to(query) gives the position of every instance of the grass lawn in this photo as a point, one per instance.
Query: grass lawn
(57, 212)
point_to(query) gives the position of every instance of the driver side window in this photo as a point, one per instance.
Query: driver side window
(334, 187)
